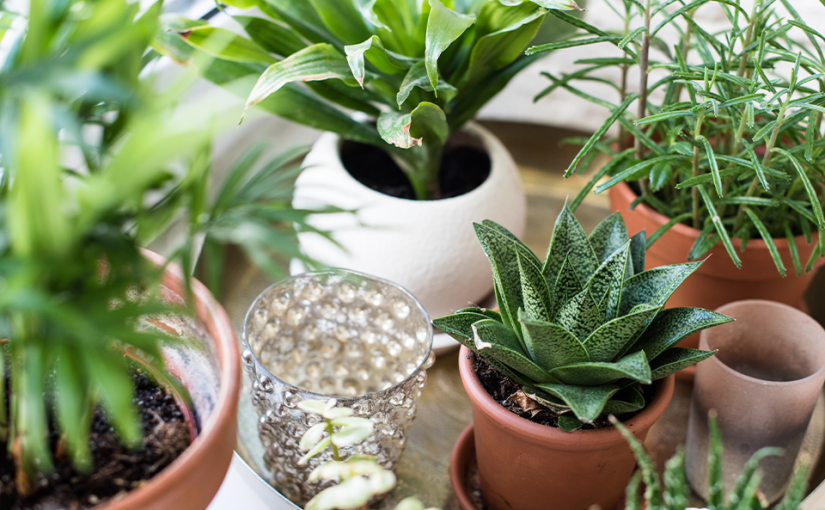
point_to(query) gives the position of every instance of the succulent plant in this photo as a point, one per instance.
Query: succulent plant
(581, 331)
(672, 492)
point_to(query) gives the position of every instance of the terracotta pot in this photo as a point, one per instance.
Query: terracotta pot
(717, 281)
(462, 455)
(211, 371)
(527, 466)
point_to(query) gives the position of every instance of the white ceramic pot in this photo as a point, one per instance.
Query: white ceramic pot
(429, 247)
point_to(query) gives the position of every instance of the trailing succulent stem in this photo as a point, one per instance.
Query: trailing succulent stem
(672, 492)
(582, 331)
(730, 140)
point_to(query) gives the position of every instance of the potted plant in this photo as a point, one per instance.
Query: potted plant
(723, 153)
(104, 338)
(417, 72)
(578, 337)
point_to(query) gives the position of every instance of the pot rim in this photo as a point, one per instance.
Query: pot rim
(488, 140)
(542, 434)
(223, 417)
(461, 455)
(798, 314)
(690, 232)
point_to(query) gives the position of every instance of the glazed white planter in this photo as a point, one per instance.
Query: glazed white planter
(429, 247)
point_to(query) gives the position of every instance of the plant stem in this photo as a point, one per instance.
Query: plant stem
(643, 65)
(697, 130)
(625, 67)
(330, 430)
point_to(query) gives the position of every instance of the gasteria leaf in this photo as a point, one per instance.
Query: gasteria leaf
(443, 27)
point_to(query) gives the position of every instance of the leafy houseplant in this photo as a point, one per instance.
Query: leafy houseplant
(422, 69)
(672, 491)
(580, 332)
(729, 140)
(95, 163)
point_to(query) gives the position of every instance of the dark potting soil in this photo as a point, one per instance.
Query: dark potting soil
(463, 169)
(505, 392)
(117, 469)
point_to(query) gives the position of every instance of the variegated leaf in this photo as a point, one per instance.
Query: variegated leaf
(426, 123)
(607, 342)
(675, 359)
(567, 286)
(586, 402)
(638, 248)
(610, 275)
(551, 345)
(580, 315)
(633, 366)
(501, 253)
(608, 236)
(672, 326)
(654, 286)
(569, 242)
(627, 400)
(417, 77)
(534, 291)
(373, 50)
(493, 339)
(443, 27)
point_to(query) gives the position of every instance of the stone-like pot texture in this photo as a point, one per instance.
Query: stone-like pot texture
(527, 466)
(210, 369)
(427, 247)
(717, 281)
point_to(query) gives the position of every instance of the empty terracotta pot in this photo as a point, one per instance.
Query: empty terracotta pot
(717, 281)
(527, 466)
(763, 384)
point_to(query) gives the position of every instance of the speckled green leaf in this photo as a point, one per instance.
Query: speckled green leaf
(551, 345)
(608, 236)
(586, 402)
(625, 401)
(533, 289)
(493, 339)
(569, 423)
(458, 324)
(604, 302)
(633, 366)
(675, 359)
(674, 325)
(610, 275)
(607, 342)
(567, 285)
(492, 314)
(654, 286)
(520, 246)
(514, 375)
(506, 318)
(638, 249)
(501, 253)
(580, 315)
(568, 242)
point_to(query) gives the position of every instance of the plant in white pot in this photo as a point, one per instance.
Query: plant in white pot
(417, 173)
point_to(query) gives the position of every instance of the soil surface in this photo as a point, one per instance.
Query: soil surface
(463, 169)
(504, 391)
(117, 469)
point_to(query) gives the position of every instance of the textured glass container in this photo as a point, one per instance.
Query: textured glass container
(363, 340)
(763, 384)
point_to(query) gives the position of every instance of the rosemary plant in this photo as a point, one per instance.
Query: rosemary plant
(729, 140)
(94, 163)
(421, 68)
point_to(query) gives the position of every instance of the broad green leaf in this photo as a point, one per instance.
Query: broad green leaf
(271, 36)
(563, 5)
(536, 298)
(608, 236)
(494, 340)
(373, 50)
(633, 366)
(317, 62)
(586, 402)
(580, 316)
(654, 286)
(569, 242)
(73, 407)
(567, 285)
(550, 345)
(426, 122)
(675, 359)
(228, 45)
(443, 27)
(609, 340)
(500, 47)
(569, 423)
(417, 77)
(627, 400)
(673, 325)
(342, 19)
(610, 275)
(638, 248)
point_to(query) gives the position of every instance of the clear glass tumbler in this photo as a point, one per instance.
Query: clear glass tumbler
(763, 383)
(362, 340)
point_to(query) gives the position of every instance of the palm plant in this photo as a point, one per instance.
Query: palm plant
(729, 140)
(422, 69)
(583, 330)
(94, 162)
